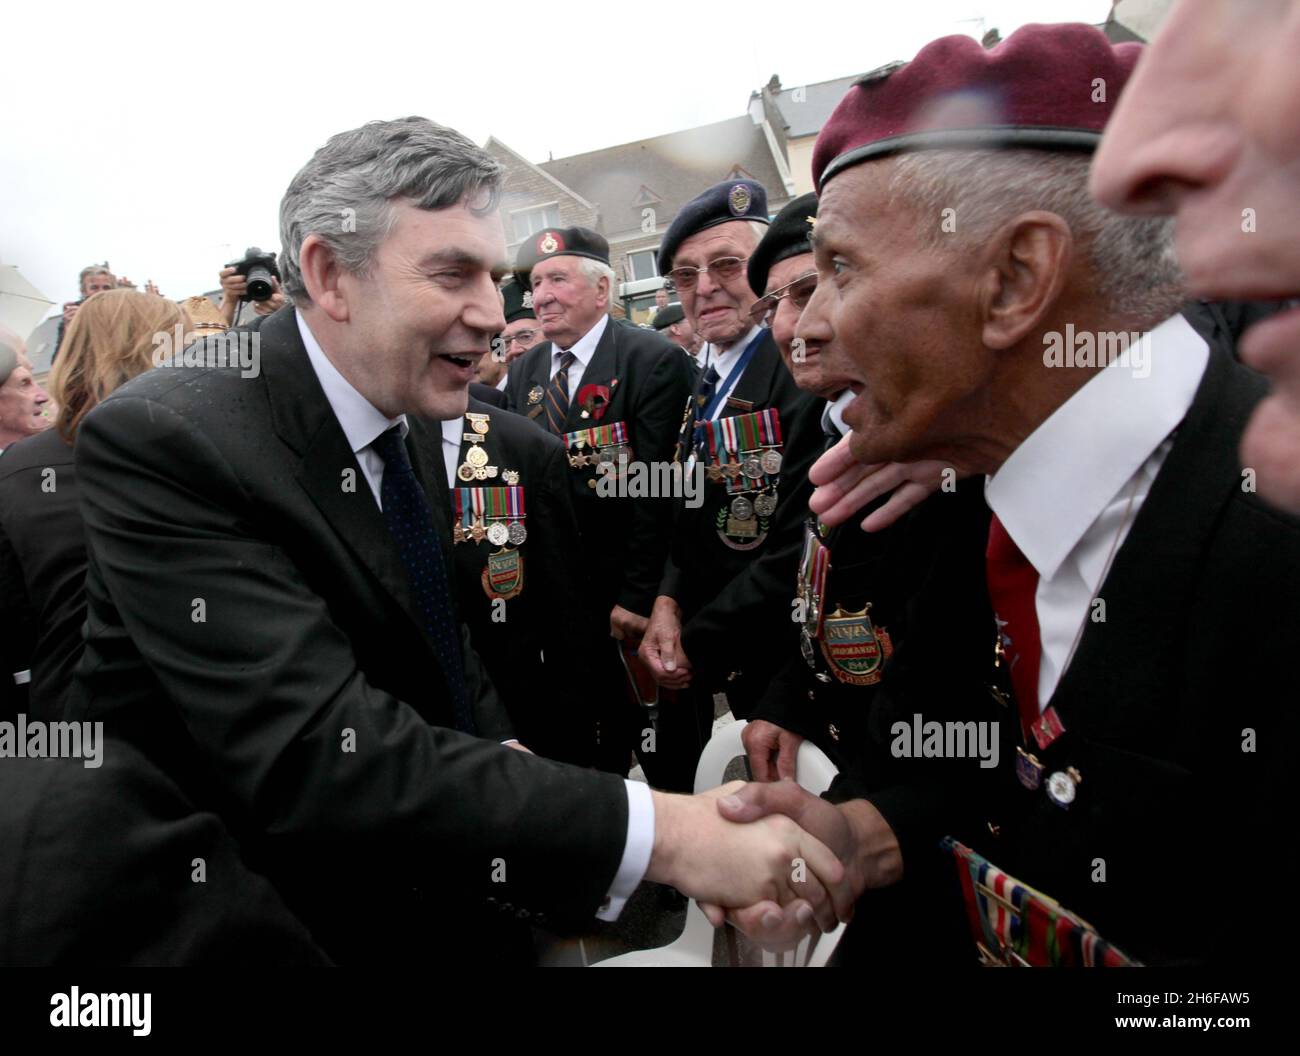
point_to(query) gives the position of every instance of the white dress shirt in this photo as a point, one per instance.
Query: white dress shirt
(583, 349)
(722, 360)
(1064, 494)
(453, 430)
(362, 424)
(833, 414)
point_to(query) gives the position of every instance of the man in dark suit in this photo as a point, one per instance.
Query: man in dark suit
(721, 623)
(603, 386)
(269, 613)
(519, 579)
(1080, 623)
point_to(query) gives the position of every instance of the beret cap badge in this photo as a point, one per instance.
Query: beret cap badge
(739, 199)
(549, 243)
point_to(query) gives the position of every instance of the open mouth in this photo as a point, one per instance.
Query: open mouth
(460, 361)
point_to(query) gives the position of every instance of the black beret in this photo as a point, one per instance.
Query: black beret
(729, 200)
(787, 237)
(559, 242)
(667, 315)
(518, 302)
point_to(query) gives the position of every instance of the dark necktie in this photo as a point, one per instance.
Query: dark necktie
(707, 388)
(410, 521)
(557, 395)
(1013, 586)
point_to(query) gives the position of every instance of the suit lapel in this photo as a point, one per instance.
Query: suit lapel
(1127, 657)
(329, 471)
(602, 369)
(755, 385)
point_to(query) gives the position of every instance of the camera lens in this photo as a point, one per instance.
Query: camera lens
(259, 284)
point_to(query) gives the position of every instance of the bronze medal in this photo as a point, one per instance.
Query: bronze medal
(465, 472)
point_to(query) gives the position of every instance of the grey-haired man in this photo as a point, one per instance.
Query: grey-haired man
(269, 617)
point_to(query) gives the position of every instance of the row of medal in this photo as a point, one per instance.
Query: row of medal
(603, 446)
(475, 466)
(494, 514)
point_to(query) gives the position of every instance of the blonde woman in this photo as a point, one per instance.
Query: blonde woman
(42, 549)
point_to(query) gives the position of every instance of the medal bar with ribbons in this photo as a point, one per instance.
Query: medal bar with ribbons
(606, 443)
(496, 514)
(743, 450)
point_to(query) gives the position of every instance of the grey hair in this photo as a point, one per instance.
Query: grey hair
(344, 194)
(1131, 258)
(594, 271)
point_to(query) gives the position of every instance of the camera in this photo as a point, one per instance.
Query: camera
(259, 269)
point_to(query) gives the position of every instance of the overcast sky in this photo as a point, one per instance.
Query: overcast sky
(161, 136)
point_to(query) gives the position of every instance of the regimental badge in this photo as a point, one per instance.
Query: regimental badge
(535, 394)
(739, 199)
(854, 648)
(741, 533)
(1029, 771)
(550, 243)
(503, 577)
(510, 476)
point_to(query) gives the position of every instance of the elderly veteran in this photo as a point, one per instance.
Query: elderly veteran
(606, 390)
(722, 619)
(1088, 616)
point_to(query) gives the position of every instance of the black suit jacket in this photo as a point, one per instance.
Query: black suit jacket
(251, 630)
(736, 605)
(42, 570)
(625, 540)
(552, 616)
(487, 394)
(1160, 704)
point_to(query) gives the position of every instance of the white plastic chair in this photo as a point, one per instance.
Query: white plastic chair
(694, 947)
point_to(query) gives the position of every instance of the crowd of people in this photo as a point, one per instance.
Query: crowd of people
(383, 626)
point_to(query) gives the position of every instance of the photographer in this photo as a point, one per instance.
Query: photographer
(256, 269)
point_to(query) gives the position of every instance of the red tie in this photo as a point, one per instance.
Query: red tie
(1013, 582)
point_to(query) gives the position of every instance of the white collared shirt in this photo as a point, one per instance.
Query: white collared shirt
(361, 421)
(453, 430)
(362, 424)
(833, 414)
(583, 349)
(1064, 494)
(722, 360)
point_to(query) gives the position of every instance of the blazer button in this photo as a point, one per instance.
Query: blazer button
(835, 734)
(812, 694)
(733, 676)
(996, 830)
(523, 914)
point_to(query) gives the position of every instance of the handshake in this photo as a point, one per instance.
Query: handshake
(771, 858)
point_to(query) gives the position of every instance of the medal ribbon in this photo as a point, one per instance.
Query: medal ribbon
(599, 436)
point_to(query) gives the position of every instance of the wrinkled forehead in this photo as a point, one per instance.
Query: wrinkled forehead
(565, 265)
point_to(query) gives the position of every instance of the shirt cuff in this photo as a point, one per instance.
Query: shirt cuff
(636, 851)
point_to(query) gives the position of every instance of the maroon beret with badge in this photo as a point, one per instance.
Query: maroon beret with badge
(1051, 87)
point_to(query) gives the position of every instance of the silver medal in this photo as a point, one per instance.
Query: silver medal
(741, 508)
(517, 534)
(771, 462)
(497, 533)
(765, 505)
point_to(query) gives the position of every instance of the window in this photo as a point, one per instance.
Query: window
(530, 221)
(641, 265)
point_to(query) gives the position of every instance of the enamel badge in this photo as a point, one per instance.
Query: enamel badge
(854, 648)
(503, 577)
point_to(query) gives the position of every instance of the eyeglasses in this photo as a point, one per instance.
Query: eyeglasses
(522, 336)
(724, 269)
(800, 292)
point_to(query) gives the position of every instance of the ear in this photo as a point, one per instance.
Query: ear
(323, 275)
(1028, 266)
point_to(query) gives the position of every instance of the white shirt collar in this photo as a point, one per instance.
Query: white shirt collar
(453, 430)
(585, 347)
(833, 413)
(1056, 484)
(723, 360)
(361, 421)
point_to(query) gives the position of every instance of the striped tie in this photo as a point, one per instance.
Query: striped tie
(557, 395)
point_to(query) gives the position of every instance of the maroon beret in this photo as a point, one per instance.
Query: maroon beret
(1046, 86)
